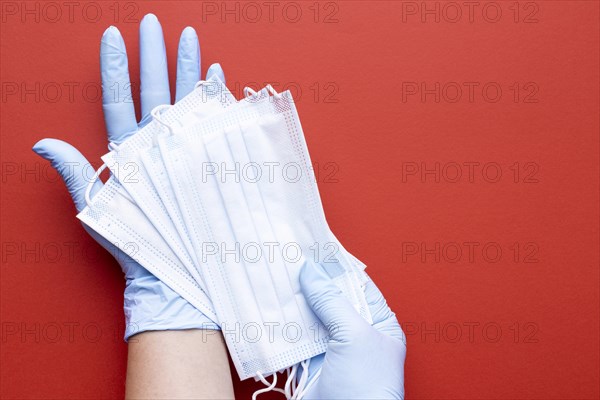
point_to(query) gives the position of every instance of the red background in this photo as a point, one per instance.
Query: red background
(544, 299)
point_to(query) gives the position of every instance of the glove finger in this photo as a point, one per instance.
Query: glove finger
(215, 70)
(71, 165)
(117, 103)
(154, 75)
(384, 319)
(188, 63)
(328, 303)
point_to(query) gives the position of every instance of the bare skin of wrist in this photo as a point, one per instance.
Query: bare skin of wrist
(184, 364)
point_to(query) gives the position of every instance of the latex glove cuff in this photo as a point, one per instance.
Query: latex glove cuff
(150, 305)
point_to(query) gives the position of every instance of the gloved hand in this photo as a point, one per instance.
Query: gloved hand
(362, 361)
(149, 304)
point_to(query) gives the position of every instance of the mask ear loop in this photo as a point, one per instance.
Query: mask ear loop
(251, 95)
(308, 383)
(156, 116)
(273, 92)
(88, 189)
(270, 386)
(249, 92)
(290, 383)
(210, 82)
(295, 381)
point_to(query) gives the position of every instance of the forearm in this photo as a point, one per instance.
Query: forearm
(181, 364)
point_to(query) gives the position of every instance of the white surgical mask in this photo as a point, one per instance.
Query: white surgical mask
(259, 304)
(208, 98)
(291, 194)
(116, 217)
(154, 166)
(226, 217)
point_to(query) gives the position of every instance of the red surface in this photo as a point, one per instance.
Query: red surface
(370, 56)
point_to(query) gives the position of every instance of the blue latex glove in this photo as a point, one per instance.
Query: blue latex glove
(362, 361)
(149, 304)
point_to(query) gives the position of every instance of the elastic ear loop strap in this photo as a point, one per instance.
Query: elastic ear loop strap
(249, 92)
(273, 91)
(303, 378)
(156, 116)
(292, 390)
(156, 111)
(299, 395)
(290, 383)
(270, 386)
(88, 189)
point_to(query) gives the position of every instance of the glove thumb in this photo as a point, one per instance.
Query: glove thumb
(329, 303)
(71, 165)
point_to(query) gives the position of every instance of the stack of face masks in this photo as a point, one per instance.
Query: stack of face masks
(218, 199)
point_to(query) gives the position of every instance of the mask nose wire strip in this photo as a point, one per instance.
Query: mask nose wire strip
(88, 189)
